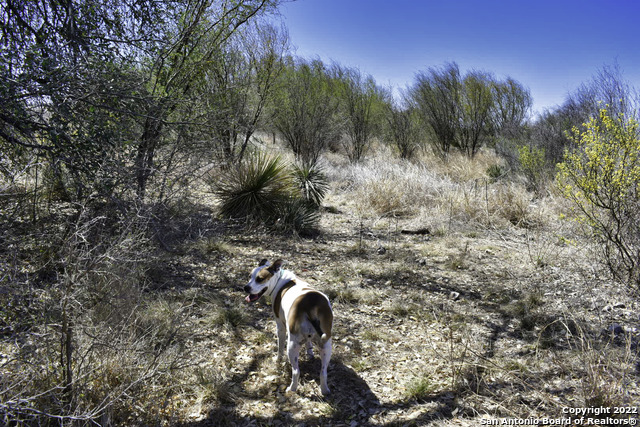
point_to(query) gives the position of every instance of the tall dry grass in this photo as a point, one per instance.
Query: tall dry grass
(442, 193)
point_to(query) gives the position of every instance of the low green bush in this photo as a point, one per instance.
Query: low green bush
(265, 190)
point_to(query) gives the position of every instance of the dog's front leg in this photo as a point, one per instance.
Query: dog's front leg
(293, 350)
(282, 339)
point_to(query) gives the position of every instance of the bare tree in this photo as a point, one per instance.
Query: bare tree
(304, 109)
(239, 84)
(607, 89)
(435, 94)
(513, 104)
(359, 97)
(403, 129)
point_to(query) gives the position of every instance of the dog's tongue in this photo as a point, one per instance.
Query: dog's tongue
(254, 297)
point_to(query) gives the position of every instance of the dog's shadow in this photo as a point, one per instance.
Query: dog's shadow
(351, 400)
(351, 397)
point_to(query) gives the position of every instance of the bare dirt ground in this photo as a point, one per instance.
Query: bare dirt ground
(461, 326)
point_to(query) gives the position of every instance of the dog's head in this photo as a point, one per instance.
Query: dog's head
(263, 278)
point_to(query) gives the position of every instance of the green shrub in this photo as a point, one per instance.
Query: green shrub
(263, 190)
(495, 172)
(420, 388)
(601, 177)
(532, 164)
(312, 183)
(255, 188)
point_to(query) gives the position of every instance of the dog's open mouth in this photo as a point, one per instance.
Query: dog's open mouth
(255, 297)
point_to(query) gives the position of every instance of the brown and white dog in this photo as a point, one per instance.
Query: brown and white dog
(303, 315)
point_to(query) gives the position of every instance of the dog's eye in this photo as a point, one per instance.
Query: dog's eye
(259, 279)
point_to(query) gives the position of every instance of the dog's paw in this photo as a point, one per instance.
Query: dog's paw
(290, 390)
(325, 391)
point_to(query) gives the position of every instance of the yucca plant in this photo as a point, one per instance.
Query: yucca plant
(312, 183)
(263, 189)
(254, 189)
(297, 215)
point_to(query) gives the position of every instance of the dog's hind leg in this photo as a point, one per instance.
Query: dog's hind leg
(325, 356)
(293, 349)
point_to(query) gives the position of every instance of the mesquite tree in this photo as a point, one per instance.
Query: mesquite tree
(403, 129)
(359, 102)
(435, 94)
(304, 108)
(467, 112)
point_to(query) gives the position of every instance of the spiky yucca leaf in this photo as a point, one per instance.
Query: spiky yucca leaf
(312, 183)
(297, 215)
(255, 188)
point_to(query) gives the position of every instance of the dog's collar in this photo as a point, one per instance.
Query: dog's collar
(276, 287)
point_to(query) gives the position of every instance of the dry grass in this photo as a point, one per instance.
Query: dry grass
(460, 168)
(390, 188)
(447, 192)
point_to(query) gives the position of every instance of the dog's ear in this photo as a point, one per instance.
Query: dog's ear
(263, 261)
(276, 266)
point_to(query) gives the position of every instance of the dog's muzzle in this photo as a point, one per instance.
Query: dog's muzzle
(253, 297)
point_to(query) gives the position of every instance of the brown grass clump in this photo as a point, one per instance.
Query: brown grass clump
(392, 188)
(453, 191)
(461, 168)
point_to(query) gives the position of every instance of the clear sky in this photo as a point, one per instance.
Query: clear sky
(550, 46)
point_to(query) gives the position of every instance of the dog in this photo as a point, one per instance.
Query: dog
(303, 315)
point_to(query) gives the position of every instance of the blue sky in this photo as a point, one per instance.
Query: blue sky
(551, 47)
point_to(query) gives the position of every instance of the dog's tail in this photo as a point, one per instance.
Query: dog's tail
(317, 325)
(323, 321)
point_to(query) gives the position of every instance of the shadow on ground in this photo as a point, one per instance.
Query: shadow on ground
(352, 403)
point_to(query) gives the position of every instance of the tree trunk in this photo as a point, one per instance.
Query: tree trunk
(146, 150)
(66, 350)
